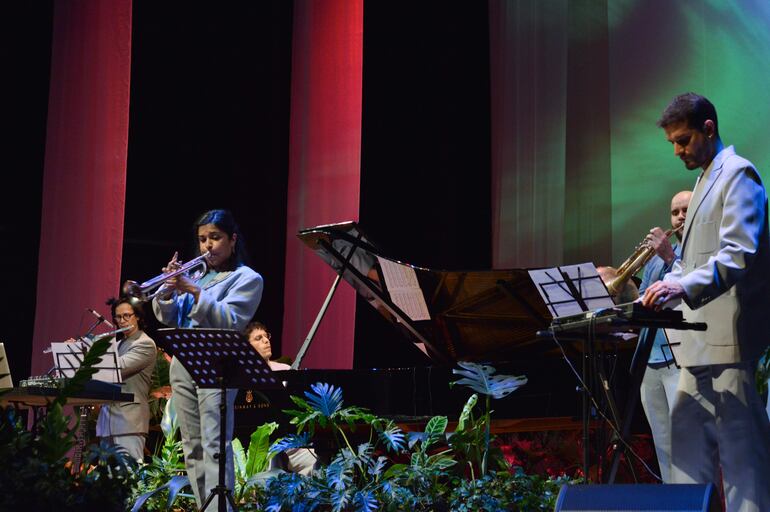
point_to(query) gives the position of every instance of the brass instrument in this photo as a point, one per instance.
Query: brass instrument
(144, 292)
(642, 254)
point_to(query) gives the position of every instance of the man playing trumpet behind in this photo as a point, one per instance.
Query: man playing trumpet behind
(661, 375)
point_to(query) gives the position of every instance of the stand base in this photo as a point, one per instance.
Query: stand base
(222, 492)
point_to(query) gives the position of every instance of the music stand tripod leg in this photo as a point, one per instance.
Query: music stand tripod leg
(221, 489)
(638, 367)
(586, 409)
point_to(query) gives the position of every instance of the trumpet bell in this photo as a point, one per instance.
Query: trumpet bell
(134, 292)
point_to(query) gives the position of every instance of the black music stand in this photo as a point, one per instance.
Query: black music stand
(568, 290)
(218, 358)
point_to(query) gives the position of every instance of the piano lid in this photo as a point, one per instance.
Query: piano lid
(489, 315)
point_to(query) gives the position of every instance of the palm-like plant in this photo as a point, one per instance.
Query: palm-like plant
(323, 408)
(353, 478)
(482, 379)
(363, 479)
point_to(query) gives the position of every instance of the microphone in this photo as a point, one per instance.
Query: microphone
(100, 317)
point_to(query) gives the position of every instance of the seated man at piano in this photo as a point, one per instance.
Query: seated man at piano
(259, 338)
(661, 374)
(126, 424)
(298, 460)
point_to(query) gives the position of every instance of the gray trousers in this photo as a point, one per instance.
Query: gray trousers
(197, 411)
(132, 443)
(657, 394)
(719, 422)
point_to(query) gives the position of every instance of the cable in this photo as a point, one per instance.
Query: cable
(590, 395)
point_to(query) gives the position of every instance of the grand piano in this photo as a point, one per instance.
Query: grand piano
(488, 316)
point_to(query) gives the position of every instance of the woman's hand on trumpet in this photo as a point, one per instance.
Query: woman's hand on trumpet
(180, 283)
(657, 239)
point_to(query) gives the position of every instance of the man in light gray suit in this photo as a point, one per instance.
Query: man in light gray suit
(718, 420)
(126, 424)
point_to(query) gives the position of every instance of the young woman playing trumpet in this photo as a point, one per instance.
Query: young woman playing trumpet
(225, 296)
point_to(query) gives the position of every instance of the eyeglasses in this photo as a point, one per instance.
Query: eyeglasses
(126, 316)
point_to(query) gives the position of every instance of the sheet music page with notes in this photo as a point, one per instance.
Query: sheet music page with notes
(67, 358)
(404, 289)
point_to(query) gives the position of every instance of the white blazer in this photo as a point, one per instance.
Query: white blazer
(725, 266)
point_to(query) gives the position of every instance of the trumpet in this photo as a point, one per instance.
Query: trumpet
(144, 292)
(642, 254)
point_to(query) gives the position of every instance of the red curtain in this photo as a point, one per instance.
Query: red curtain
(84, 178)
(324, 170)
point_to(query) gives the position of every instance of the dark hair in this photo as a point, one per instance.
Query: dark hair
(690, 107)
(253, 326)
(136, 307)
(225, 221)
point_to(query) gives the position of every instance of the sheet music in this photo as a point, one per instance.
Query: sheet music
(5, 372)
(593, 291)
(557, 295)
(404, 289)
(68, 357)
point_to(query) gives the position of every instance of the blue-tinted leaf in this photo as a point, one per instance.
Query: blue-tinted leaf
(415, 437)
(291, 441)
(376, 467)
(394, 438)
(339, 499)
(273, 505)
(365, 501)
(304, 506)
(325, 398)
(481, 378)
(174, 485)
(365, 451)
(294, 484)
(338, 473)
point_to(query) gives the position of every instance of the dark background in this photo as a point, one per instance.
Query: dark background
(209, 128)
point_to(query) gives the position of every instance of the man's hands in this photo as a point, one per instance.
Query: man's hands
(658, 240)
(661, 292)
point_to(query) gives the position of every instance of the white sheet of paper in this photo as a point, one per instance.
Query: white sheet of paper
(554, 293)
(404, 289)
(67, 358)
(557, 295)
(7, 381)
(593, 290)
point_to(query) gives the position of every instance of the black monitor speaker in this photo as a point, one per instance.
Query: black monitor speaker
(639, 498)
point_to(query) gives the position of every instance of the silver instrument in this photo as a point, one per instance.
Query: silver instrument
(152, 287)
(89, 340)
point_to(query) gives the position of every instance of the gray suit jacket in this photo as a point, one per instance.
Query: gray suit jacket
(137, 355)
(725, 266)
